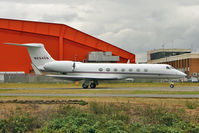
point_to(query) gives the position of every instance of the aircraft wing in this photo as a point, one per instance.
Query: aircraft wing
(89, 77)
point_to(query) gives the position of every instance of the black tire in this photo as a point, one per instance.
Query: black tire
(92, 85)
(171, 85)
(85, 86)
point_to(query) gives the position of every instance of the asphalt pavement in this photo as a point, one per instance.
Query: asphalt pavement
(112, 95)
(195, 88)
(105, 95)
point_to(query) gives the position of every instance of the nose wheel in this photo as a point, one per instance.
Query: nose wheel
(171, 85)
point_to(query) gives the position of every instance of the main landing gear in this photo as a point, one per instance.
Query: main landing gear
(171, 85)
(92, 85)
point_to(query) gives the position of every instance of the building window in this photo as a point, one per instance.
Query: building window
(194, 74)
(108, 69)
(100, 69)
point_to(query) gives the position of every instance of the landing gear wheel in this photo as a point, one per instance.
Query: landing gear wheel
(171, 85)
(92, 85)
(85, 86)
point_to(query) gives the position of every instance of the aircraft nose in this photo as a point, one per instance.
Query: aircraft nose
(182, 74)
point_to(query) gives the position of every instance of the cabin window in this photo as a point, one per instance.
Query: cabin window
(122, 69)
(108, 69)
(115, 69)
(145, 70)
(138, 70)
(100, 69)
(130, 70)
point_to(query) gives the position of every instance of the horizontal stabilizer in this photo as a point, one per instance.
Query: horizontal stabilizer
(27, 44)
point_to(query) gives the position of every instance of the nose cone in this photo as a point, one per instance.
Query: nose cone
(181, 74)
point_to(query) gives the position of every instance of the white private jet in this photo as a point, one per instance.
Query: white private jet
(92, 72)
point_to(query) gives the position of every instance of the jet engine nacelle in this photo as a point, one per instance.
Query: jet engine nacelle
(59, 66)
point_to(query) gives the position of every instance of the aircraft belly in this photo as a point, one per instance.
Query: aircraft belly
(90, 76)
(112, 76)
(152, 76)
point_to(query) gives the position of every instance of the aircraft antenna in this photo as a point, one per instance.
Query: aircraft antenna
(74, 62)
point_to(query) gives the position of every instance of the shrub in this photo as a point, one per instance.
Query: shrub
(191, 105)
(103, 118)
(139, 128)
(64, 110)
(111, 111)
(19, 124)
(74, 122)
(83, 103)
(164, 129)
(3, 124)
(96, 108)
(77, 121)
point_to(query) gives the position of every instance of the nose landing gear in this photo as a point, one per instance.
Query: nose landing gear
(171, 85)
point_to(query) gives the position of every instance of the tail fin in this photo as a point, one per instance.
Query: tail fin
(36, 69)
(38, 54)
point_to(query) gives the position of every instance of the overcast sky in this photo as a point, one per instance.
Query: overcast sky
(134, 25)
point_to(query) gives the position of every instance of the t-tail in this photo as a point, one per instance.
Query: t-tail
(38, 55)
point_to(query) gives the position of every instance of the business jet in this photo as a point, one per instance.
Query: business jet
(91, 73)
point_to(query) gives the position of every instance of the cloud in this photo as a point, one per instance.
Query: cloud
(136, 26)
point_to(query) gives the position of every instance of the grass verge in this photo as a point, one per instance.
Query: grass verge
(94, 91)
(99, 117)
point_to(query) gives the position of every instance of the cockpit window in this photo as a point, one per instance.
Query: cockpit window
(167, 67)
(172, 67)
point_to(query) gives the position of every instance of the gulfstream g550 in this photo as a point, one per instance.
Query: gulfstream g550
(92, 72)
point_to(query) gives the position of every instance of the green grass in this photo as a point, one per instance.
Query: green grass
(3, 90)
(100, 118)
(37, 85)
(191, 104)
(94, 91)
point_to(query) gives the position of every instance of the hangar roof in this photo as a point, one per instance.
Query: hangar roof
(64, 32)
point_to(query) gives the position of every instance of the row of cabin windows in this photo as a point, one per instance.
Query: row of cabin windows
(123, 70)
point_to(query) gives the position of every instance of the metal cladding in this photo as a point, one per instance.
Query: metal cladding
(102, 57)
(61, 41)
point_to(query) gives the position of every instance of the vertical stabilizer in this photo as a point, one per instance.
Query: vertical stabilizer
(38, 54)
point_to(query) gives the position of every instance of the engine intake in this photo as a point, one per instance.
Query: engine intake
(59, 66)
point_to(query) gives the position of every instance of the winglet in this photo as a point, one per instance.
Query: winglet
(27, 44)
